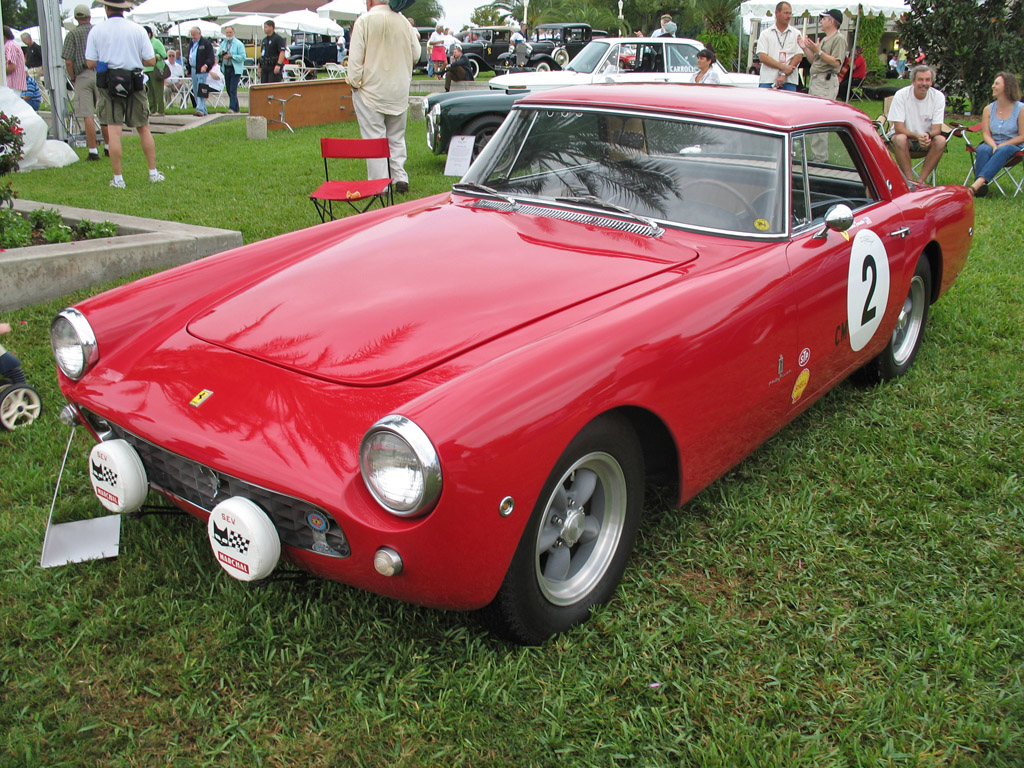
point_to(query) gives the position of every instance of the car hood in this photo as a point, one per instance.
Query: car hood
(535, 81)
(391, 300)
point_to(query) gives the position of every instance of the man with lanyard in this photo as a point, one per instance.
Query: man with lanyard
(826, 58)
(86, 94)
(272, 54)
(114, 47)
(231, 54)
(779, 52)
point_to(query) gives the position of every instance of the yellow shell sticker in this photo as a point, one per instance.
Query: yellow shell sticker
(761, 225)
(801, 384)
(200, 398)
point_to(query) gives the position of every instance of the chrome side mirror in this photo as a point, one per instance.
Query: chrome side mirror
(838, 218)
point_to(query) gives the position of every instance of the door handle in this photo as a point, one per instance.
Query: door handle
(901, 233)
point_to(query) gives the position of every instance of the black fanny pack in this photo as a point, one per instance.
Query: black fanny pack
(121, 83)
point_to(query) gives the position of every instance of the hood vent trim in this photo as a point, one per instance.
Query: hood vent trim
(578, 217)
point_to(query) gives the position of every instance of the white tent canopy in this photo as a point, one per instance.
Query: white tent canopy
(247, 27)
(342, 10)
(98, 15)
(176, 10)
(207, 29)
(888, 8)
(307, 21)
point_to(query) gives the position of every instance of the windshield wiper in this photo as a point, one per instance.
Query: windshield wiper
(596, 202)
(472, 186)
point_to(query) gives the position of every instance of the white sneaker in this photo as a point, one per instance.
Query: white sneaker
(155, 177)
(118, 184)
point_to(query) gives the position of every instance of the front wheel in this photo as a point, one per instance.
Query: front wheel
(579, 537)
(901, 351)
(543, 66)
(482, 130)
(474, 69)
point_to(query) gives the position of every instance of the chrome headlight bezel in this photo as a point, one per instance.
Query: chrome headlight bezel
(71, 331)
(420, 457)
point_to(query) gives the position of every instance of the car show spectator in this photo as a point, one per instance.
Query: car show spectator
(383, 50)
(16, 72)
(198, 63)
(272, 55)
(901, 63)
(665, 19)
(778, 51)
(916, 113)
(33, 56)
(1002, 126)
(83, 78)
(231, 56)
(156, 75)
(460, 69)
(706, 74)
(116, 49)
(859, 72)
(438, 55)
(826, 57)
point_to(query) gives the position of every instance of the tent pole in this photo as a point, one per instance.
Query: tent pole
(853, 53)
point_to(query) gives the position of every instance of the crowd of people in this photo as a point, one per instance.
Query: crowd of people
(385, 47)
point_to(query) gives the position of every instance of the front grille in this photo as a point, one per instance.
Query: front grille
(205, 487)
(577, 216)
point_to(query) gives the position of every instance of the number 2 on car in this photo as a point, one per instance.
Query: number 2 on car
(867, 288)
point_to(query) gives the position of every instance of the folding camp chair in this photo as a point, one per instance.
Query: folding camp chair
(1012, 173)
(886, 130)
(353, 192)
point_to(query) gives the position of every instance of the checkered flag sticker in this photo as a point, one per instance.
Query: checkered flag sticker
(229, 538)
(103, 474)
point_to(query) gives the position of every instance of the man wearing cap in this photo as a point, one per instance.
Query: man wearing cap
(84, 79)
(826, 59)
(779, 53)
(383, 50)
(115, 49)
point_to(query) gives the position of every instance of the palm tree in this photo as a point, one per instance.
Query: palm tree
(718, 17)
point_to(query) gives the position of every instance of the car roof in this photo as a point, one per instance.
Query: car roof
(764, 107)
(560, 24)
(637, 40)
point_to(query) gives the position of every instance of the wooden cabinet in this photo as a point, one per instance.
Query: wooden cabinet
(310, 102)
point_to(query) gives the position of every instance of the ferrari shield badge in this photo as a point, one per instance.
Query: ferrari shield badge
(200, 398)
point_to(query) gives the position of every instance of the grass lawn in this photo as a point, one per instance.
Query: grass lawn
(850, 595)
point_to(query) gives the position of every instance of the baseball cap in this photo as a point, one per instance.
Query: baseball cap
(835, 14)
(82, 12)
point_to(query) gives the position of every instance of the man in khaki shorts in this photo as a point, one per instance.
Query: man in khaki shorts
(84, 79)
(118, 49)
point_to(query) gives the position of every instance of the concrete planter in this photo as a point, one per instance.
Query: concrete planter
(44, 272)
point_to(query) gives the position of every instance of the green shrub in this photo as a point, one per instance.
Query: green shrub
(57, 233)
(90, 230)
(42, 218)
(15, 231)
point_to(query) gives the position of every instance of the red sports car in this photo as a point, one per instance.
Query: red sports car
(644, 282)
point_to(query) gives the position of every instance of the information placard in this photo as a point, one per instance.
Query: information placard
(460, 155)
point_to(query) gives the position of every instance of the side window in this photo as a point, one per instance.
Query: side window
(826, 171)
(650, 58)
(681, 58)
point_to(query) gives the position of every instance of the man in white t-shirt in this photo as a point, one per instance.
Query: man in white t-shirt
(779, 51)
(916, 114)
(116, 49)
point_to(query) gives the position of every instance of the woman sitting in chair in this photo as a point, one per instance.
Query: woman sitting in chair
(1002, 125)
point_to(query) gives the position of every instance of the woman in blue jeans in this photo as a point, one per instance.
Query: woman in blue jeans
(1002, 124)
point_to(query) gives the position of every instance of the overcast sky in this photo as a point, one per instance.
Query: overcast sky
(457, 12)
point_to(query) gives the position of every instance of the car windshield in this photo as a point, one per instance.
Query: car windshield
(586, 60)
(686, 172)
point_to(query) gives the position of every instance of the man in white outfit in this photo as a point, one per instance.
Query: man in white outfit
(383, 50)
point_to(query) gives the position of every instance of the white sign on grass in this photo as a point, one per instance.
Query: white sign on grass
(460, 155)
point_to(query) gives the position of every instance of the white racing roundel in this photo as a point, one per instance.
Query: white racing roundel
(867, 288)
(117, 476)
(243, 539)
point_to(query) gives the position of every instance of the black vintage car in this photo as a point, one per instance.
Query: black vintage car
(552, 46)
(313, 51)
(485, 47)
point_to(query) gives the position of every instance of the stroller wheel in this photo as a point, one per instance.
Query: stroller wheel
(19, 406)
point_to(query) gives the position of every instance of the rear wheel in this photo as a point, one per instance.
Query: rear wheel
(474, 68)
(543, 66)
(482, 130)
(579, 537)
(901, 351)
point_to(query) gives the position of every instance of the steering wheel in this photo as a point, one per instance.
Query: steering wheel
(714, 183)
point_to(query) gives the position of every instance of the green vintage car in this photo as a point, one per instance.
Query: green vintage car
(467, 113)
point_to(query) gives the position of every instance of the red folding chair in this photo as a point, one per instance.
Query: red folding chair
(355, 193)
(1012, 173)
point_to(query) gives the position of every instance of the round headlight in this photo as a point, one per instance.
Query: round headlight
(400, 466)
(74, 343)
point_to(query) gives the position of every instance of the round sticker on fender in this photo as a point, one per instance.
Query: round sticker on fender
(867, 287)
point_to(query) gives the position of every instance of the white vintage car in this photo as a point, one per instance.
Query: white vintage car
(626, 60)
